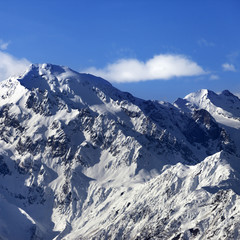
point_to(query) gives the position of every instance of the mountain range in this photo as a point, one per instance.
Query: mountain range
(80, 159)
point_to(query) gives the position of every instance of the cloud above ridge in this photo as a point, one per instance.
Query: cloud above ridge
(162, 67)
(11, 66)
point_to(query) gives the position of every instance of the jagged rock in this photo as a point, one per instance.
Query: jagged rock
(82, 160)
(4, 170)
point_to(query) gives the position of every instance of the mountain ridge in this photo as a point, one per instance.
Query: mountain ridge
(81, 159)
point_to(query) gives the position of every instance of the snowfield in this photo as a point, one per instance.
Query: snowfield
(80, 159)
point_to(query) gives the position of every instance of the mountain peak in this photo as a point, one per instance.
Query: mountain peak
(44, 69)
(228, 94)
(203, 93)
(65, 82)
(50, 77)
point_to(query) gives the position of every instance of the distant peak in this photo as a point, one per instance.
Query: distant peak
(227, 93)
(203, 93)
(208, 92)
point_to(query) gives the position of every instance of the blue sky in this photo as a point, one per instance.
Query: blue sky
(154, 49)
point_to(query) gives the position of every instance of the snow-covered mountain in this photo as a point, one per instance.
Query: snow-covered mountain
(224, 107)
(82, 160)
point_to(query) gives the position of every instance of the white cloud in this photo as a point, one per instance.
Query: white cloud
(205, 43)
(214, 77)
(10, 66)
(3, 45)
(228, 67)
(163, 66)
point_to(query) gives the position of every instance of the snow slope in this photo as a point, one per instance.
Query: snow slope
(189, 202)
(82, 160)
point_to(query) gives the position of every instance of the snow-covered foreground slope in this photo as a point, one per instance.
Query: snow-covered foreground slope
(82, 160)
(189, 202)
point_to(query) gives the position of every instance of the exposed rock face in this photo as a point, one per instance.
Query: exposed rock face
(82, 160)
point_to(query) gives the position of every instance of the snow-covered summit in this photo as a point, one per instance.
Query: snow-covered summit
(201, 94)
(203, 97)
(224, 107)
(224, 103)
(65, 82)
(56, 76)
